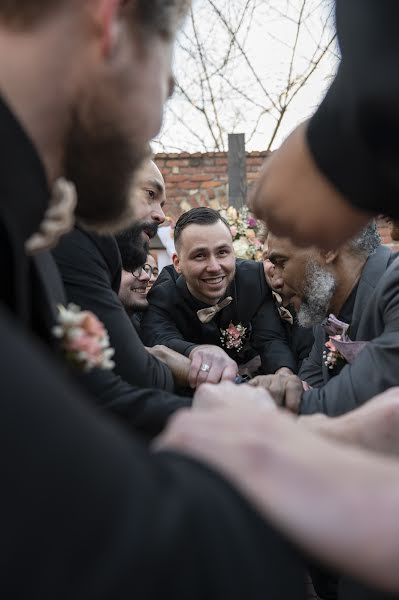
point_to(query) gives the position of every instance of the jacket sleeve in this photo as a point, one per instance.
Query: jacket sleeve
(374, 370)
(145, 411)
(157, 325)
(89, 513)
(359, 115)
(87, 283)
(270, 340)
(311, 370)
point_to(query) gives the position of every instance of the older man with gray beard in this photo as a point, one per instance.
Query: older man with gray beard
(350, 296)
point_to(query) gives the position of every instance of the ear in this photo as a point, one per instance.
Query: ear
(330, 256)
(109, 24)
(176, 262)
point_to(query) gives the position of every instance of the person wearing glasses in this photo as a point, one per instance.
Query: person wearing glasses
(133, 292)
(152, 261)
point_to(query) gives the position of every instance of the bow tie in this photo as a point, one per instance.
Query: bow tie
(284, 313)
(206, 315)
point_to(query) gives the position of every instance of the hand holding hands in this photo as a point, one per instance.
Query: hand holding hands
(210, 364)
(285, 389)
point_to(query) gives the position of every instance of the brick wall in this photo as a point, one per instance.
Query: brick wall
(202, 180)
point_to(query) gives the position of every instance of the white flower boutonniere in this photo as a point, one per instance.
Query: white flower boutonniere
(233, 337)
(83, 338)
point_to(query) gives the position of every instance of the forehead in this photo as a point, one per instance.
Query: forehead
(150, 173)
(284, 248)
(151, 260)
(280, 246)
(205, 236)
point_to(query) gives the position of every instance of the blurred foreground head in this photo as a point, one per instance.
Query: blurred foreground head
(88, 80)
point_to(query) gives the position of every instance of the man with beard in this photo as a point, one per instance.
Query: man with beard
(86, 510)
(91, 268)
(357, 284)
(300, 339)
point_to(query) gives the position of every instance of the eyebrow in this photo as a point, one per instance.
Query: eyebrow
(205, 249)
(275, 256)
(156, 184)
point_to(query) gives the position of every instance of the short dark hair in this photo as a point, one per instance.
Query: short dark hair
(197, 216)
(161, 17)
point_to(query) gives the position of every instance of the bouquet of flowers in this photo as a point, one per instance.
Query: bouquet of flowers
(244, 229)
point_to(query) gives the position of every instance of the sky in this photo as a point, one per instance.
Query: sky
(267, 36)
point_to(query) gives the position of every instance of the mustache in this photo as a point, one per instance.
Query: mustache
(149, 227)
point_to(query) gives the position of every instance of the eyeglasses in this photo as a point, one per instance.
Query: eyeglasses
(146, 268)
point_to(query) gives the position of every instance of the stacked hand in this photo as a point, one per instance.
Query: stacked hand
(210, 364)
(285, 388)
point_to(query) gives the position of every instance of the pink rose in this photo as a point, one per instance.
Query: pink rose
(252, 222)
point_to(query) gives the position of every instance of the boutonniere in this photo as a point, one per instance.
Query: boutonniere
(83, 338)
(340, 348)
(233, 337)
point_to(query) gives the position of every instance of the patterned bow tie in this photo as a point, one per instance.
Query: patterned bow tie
(284, 313)
(206, 315)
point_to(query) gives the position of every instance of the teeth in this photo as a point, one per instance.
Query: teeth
(215, 280)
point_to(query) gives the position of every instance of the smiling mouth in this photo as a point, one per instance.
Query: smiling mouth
(138, 290)
(214, 280)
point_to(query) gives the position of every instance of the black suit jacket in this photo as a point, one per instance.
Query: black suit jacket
(375, 318)
(86, 511)
(138, 390)
(171, 318)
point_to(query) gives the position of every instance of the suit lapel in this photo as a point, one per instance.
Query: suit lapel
(373, 270)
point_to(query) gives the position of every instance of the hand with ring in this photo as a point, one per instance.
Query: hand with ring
(210, 364)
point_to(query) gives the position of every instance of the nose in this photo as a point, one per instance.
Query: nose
(157, 214)
(144, 277)
(213, 264)
(278, 282)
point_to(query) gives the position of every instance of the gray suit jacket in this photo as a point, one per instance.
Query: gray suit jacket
(376, 368)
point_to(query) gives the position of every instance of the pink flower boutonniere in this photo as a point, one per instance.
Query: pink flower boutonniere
(83, 338)
(233, 337)
(340, 347)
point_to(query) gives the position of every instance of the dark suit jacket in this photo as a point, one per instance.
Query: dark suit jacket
(90, 267)
(300, 340)
(171, 318)
(359, 116)
(138, 390)
(376, 319)
(86, 511)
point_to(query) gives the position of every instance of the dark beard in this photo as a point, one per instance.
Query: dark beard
(132, 247)
(102, 161)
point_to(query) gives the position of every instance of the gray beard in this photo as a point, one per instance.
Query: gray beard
(319, 289)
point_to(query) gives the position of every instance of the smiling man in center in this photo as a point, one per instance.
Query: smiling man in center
(213, 308)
